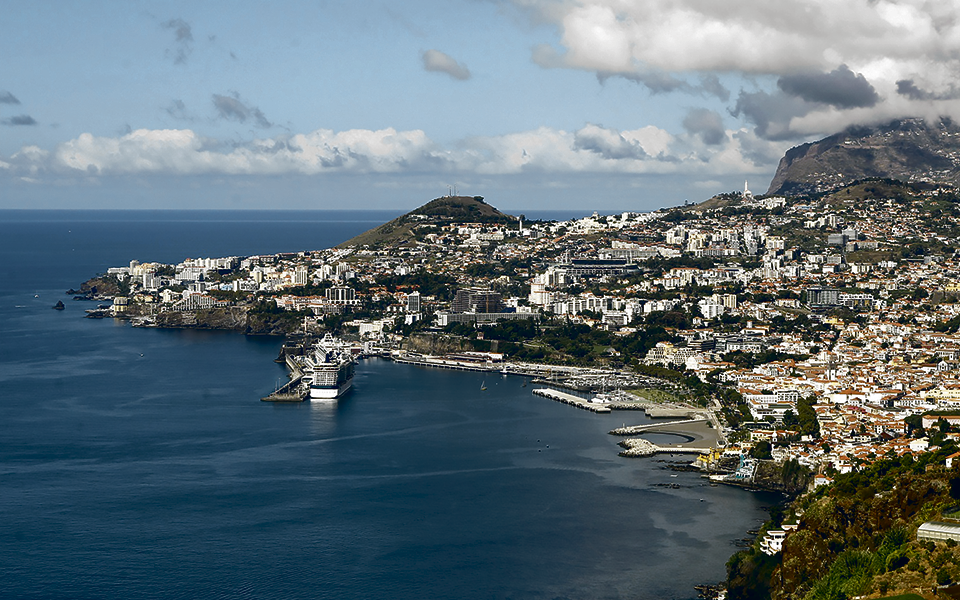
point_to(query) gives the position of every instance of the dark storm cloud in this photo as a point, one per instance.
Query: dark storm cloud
(19, 120)
(771, 113)
(232, 108)
(706, 124)
(841, 88)
(8, 98)
(183, 44)
(906, 87)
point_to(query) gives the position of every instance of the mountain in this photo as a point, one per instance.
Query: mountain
(447, 210)
(907, 149)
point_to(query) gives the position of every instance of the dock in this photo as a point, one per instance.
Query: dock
(446, 363)
(291, 391)
(597, 407)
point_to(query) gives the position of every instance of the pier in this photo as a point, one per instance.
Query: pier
(291, 391)
(597, 407)
(446, 363)
(582, 378)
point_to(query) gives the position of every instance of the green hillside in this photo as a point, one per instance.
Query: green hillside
(440, 211)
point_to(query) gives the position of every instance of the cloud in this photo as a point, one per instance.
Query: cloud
(592, 149)
(440, 62)
(832, 64)
(183, 42)
(8, 98)
(771, 113)
(232, 108)
(706, 124)
(178, 110)
(19, 120)
(841, 88)
(753, 36)
(608, 143)
(906, 87)
(659, 82)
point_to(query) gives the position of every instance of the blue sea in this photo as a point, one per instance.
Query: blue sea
(140, 463)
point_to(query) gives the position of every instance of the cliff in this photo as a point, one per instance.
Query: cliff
(436, 344)
(103, 287)
(231, 318)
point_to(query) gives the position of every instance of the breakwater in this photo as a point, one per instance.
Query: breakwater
(700, 437)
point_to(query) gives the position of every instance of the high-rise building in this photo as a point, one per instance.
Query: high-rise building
(823, 296)
(341, 295)
(477, 300)
(300, 276)
(413, 302)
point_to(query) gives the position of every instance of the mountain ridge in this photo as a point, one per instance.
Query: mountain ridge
(911, 150)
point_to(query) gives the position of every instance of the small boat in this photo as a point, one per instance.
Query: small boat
(483, 386)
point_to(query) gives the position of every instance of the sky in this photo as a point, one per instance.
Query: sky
(533, 104)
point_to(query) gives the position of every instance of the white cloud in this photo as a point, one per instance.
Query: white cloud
(752, 36)
(591, 149)
(810, 46)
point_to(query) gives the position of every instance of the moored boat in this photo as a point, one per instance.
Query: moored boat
(330, 369)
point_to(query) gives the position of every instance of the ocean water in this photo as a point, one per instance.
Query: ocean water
(141, 464)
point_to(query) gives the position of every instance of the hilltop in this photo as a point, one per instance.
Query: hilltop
(908, 149)
(444, 210)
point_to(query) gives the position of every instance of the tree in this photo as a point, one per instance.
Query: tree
(761, 450)
(790, 420)
(807, 417)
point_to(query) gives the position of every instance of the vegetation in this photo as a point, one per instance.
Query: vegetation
(448, 209)
(857, 536)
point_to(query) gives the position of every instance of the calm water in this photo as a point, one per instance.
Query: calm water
(163, 476)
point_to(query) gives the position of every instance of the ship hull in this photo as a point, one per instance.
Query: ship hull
(330, 393)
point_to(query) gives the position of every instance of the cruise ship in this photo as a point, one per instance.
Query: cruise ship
(330, 369)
